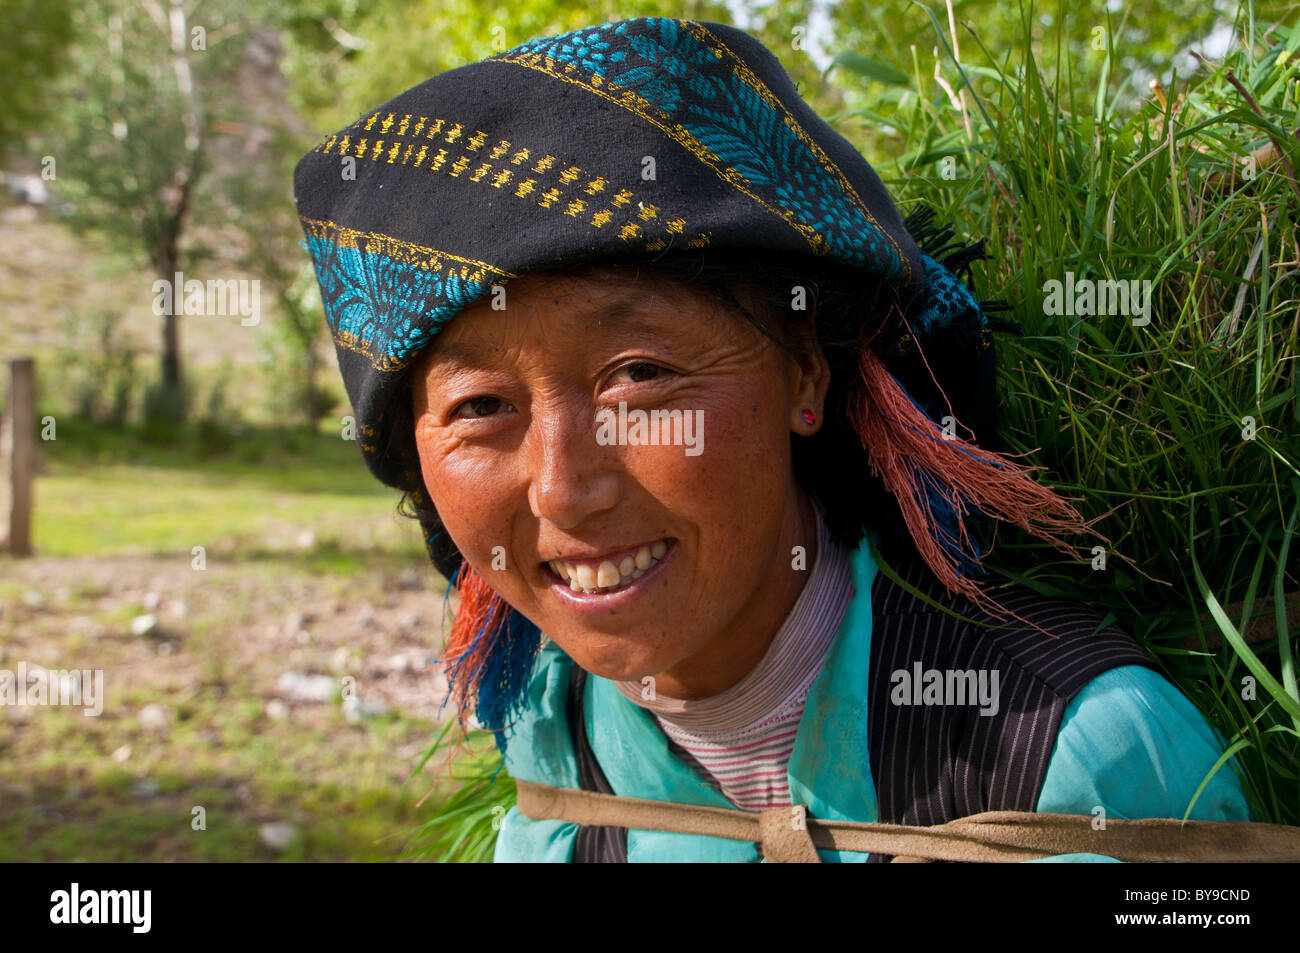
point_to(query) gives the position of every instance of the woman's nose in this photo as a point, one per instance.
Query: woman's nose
(571, 476)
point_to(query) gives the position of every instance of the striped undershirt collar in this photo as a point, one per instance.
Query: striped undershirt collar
(787, 669)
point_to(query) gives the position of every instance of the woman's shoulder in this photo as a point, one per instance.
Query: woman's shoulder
(1056, 642)
(1132, 745)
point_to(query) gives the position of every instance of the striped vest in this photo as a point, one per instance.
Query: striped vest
(936, 763)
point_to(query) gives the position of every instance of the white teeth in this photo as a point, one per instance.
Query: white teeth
(583, 578)
(606, 575)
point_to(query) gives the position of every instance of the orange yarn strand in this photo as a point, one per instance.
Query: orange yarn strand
(907, 451)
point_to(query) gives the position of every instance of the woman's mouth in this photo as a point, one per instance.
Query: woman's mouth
(612, 572)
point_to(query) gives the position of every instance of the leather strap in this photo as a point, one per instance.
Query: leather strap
(998, 836)
(783, 832)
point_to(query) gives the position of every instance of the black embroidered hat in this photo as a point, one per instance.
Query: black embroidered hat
(639, 136)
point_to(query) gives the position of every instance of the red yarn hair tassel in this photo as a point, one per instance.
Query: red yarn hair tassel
(903, 442)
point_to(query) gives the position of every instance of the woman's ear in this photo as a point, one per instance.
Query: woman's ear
(810, 379)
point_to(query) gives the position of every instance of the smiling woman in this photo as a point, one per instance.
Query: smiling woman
(537, 339)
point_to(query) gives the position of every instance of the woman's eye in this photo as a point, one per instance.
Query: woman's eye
(479, 407)
(641, 371)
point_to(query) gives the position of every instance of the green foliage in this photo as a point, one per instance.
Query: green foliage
(165, 411)
(1181, 432)
(351, 55)
(38, 34)
(464, 826)
(96, 368)
(1150, 41)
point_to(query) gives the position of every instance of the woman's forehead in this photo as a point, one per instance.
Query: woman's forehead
(604, 300)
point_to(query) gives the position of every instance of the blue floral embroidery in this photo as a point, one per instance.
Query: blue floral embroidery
(684, 79)
(383, 307)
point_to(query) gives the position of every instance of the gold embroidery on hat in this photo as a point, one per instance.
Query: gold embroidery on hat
(620, 202)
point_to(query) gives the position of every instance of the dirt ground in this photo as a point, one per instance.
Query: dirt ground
(229, 698)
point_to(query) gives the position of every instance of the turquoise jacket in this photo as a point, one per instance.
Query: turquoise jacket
(1129, 742)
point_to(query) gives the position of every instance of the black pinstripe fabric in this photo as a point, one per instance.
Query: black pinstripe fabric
(935, 763)
(592, 845)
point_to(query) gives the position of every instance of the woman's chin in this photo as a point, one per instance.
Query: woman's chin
(616, 663)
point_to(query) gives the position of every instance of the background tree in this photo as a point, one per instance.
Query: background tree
(130, 139)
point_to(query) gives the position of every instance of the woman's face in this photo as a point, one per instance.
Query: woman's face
(550, 490)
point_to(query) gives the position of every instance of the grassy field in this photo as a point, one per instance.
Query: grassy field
(308, 570)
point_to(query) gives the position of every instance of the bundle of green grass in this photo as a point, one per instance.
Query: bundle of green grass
(1149, 248)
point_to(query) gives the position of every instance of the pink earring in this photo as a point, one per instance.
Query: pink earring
(809, 417)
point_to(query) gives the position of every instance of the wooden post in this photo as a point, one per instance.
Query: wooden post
(19, 455)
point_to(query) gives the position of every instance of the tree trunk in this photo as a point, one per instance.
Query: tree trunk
(171, 347)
